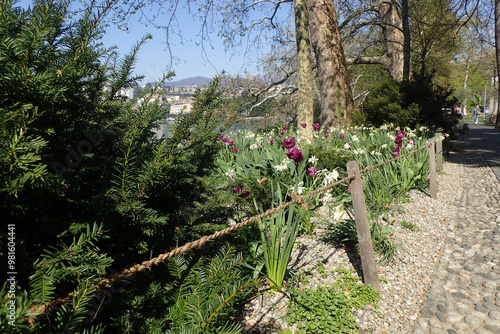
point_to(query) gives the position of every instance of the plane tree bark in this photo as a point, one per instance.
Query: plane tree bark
(497, 48)
(304, 68)
(336, 95)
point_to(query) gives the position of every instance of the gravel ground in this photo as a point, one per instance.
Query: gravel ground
(405, 281)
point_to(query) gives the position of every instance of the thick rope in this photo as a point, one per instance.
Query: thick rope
(297, 199)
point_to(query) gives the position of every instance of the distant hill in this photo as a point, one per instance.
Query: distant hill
(198, 81)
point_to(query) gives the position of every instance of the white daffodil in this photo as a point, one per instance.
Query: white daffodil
(313, 160)
(347, 146)
(326, 198)
(282, 166)
(338, 214)
(331, 177)
(355, 138)
(250, 135)
(229, 173)
(358, 151)
(300, 188)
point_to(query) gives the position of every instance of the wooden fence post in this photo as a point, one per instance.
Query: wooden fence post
(368, 263)
(439, 151)
(432, 168)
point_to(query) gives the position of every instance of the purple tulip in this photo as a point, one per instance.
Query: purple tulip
(289, 142)
(312, 171)
(235, 150)
(224, 139)
(221, 136)
(236, 189)
(295, 154)
(395, 154)
(244, 194)
(230, 143)
(284, 128)
(341, 136)
(271, 140)
(316, 126)
(303, 125)
(282, 133)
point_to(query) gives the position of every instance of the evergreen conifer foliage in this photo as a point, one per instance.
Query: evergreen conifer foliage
(89, 186)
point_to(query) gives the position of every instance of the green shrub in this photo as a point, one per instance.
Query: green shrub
(200, 297)
(328, 309)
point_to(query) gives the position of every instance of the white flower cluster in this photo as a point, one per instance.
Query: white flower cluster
(254, 146)
(282, 166)
(355, 139)
(300, 188)
(358, 151)
(330, 177)
(327, 197)
(339, 213)
(250, 135)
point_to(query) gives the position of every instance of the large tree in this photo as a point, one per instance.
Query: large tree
(336, 95)
(497, 47)
(304, 67)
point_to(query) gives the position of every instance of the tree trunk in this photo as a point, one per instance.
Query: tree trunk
(396, 30)
(393, 60)
(406, 40)
(304, 64)
(336, 95)
(497, 48)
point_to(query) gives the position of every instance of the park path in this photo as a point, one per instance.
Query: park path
(465, 293)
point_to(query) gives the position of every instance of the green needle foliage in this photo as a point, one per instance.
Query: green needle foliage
(77, 159)
(200, 298)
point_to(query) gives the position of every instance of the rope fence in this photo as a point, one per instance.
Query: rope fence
(366, 248)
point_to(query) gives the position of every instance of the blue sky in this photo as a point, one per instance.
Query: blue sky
(154, 59)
